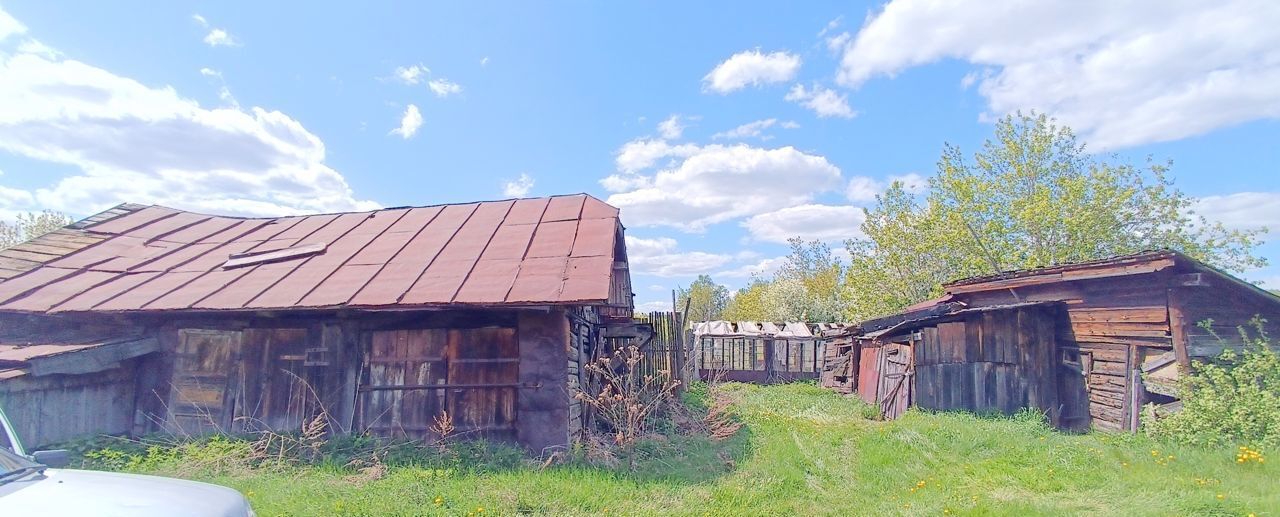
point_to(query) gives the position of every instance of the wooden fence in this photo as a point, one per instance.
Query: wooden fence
(666, 352)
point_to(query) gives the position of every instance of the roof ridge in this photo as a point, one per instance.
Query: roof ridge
(382, 209)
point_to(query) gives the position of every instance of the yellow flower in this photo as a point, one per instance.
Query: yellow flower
(1221, 497)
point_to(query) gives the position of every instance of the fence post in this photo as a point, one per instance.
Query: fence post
(676, 349)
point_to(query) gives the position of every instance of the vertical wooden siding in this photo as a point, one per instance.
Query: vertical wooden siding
(57, 408)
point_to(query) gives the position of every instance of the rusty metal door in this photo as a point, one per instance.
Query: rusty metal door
(202, 400)
(869, 375)
(895, 379)
(412, 377)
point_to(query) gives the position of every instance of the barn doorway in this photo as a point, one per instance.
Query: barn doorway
(412, 378)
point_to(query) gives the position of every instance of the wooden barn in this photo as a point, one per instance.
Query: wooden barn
(1088, 343)
(146, 318)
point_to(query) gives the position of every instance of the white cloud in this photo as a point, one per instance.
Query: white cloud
(825, 102)
(484, 61)
(789, 124)
(659, 306)
(659, 257)
(9, 26)
(831, 26)
(716, 183)
(409, 123)
(863, 189)
(412, 74)
(200, 20)
(837, 43)
(751, 68)
(518, 187)
(136, 143)
(209, 72)
(751, 130)
(671, 128)
(809, 222)
(220, 38)
(642, 154)
(762, 268)
(1120, 73)
(444, 87)
(1243, 210)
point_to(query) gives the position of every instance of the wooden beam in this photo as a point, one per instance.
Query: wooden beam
(1178, 328)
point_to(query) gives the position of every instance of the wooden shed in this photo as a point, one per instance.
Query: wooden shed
(379, 321)
(1116, 333)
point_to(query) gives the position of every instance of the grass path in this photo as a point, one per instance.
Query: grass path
(809, 452)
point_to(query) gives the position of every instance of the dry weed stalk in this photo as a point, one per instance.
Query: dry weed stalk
(627, 400)
(442, 426)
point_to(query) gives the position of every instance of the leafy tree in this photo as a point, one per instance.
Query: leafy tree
(749, 303)
(1031, 197)
(808, 286)
(706, 298)
(903, 259)
(29, 226)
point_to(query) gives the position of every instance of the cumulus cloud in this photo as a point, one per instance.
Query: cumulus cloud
(216, 37)
(809, 222)
(443, 87)
(714, 183)
(762, 268)
(412, 74)
(1243, 210)
(220, 38)
(823, 101)
(660, 257)
(751, 68)
(865, 189)
(1120, 73)
(518, 187)
(9, 26)
(658, 306)
(671, 128)
(137, 143)
(754, 129)
(642, 154)
(409, 123)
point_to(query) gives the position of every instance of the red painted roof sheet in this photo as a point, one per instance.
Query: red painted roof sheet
(557, 250)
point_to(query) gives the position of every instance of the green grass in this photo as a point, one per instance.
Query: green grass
(808, 451)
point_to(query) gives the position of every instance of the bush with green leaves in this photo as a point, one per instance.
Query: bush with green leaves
(1233, 400)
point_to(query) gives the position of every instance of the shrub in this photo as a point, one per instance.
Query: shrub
(1235, 399)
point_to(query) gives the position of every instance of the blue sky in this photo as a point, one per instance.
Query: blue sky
(720, 128)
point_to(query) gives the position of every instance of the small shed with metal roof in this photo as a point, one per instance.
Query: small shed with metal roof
(1090, 343)
(381, 321)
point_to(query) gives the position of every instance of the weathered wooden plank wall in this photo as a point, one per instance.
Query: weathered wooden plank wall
(56, 408)
(1113, 324)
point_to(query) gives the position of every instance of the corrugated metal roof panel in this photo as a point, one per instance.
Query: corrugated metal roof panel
(489, 253)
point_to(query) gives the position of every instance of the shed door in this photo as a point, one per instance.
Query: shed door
(201, 400)
(895, 379)
(412, 377)
(280, 393)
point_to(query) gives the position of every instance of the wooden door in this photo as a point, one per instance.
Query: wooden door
(412, 377)
(895, 379)
(489, 360)
(202, 400)
(280, 392)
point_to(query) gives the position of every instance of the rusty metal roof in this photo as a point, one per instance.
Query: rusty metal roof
(539, 251)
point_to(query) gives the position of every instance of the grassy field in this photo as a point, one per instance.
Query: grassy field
(807, 451)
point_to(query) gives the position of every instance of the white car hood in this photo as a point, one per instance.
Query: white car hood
(89, 493)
